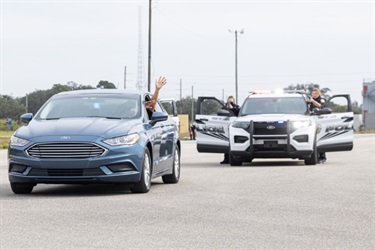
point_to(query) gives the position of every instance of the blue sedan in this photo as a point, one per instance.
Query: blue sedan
(95, 136)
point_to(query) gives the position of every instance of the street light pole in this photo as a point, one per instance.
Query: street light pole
(236, 61)
(149, 48)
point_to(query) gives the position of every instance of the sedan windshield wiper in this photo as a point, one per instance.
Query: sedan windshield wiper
(53, 118)
(109, 117)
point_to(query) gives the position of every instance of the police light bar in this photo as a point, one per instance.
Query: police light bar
(260, 92)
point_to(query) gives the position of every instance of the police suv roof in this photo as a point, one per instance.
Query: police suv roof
(270, 95)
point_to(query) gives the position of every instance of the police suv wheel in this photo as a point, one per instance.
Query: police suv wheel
(234, 162)
(313, 158)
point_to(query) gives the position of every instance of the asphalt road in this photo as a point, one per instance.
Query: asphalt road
(266, 204)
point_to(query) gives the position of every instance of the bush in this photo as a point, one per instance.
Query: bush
(15, 125)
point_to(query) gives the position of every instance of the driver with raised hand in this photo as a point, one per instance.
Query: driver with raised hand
(159, 83)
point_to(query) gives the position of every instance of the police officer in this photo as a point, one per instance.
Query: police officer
(316, 101)
(232, 106)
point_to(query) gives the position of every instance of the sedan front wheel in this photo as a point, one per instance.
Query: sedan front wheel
(144, 185)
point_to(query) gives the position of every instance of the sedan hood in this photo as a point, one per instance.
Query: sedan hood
(101, 127)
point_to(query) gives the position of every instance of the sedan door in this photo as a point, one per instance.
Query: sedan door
(335, 130)
(212, 125)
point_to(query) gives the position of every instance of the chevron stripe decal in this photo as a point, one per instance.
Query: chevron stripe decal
(216, 135)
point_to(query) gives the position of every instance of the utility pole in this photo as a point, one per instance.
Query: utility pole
(149, 48)
(223, 96)
(27, 103)
(180, 89)
(235, 60)
(192, 102)
(125, 78)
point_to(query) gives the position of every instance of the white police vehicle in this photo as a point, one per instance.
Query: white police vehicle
(274, 126)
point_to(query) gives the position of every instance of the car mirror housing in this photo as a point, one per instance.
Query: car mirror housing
(26, 118)
(158, 117)
(323, 111)
(225, 112)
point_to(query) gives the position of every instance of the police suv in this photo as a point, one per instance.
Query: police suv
(274, 126)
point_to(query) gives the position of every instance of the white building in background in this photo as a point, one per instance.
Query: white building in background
(368, 108)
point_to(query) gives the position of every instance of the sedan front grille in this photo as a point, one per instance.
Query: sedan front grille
(65, 172)
(66, 150)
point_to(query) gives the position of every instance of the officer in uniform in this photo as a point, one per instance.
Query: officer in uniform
(233, 107)
(316, 101)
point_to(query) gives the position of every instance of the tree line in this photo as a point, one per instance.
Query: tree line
(11, 107)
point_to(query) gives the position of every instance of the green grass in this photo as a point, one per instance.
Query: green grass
(5, 138)
(365, 132)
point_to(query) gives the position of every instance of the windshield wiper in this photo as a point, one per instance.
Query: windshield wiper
(117, 118)
(53, 118)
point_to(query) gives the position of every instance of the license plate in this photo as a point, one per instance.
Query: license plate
(270, 144)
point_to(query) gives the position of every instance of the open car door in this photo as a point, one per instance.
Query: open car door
(212, 125)
(171, 108)
(335, 130)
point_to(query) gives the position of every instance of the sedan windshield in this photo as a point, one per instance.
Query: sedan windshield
(274, 105)
(107, 106)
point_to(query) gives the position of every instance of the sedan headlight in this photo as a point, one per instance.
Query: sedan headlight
(301, 124)
(16, 141)
(244, 125)
(123, 140)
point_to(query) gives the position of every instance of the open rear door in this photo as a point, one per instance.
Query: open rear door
(212, 125)
(336, 129)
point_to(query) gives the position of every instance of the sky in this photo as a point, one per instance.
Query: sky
(330, 43)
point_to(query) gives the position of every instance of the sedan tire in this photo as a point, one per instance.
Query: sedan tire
(144, 185)
(21, 188)
(175, 176)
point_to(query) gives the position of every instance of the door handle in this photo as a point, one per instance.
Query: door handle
(203, 119)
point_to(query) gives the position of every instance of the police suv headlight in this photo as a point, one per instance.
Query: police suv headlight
(244, 125)
(16, 141)
(123, 140)
(301, 124)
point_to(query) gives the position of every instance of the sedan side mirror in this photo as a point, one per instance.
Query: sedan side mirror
(26, 118)
(158, 117)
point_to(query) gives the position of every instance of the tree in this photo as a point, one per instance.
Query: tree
(308, 88)
(11, 108)
(184, 106)
(210, 107)
(105, 85)
(75, 86)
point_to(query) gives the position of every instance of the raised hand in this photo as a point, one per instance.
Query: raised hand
(160, 83)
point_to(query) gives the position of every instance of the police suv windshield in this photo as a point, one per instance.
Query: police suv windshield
(274, 105)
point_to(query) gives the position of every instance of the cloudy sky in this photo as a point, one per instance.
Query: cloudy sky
(330, 43)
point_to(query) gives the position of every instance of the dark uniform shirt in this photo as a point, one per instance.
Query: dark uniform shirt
(235, 109)
(319, 100)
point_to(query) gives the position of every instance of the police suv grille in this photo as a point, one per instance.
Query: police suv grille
(270, 128)
(65, 150)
